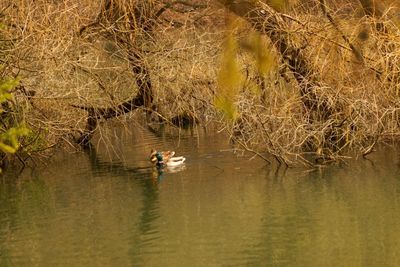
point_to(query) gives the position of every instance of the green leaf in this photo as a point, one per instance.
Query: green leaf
(9, 142)
(5, 88)
(8, 85)
(5, 97)
(7, 149)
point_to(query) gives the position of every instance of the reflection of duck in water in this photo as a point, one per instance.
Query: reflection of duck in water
(165, 158)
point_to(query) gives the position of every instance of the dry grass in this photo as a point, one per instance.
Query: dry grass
(93, 69)
(363, 94)
(182, 53)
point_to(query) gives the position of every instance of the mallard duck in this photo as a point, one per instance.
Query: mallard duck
(165, 158)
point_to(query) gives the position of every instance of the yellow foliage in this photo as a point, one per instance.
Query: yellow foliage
(9, 142)
(253, 87)
(7, 149)
(278, 5)
(230, 79)
(9, 135)
(262, 53)
(230, 76)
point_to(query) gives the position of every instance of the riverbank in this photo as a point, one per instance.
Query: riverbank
(306, 85)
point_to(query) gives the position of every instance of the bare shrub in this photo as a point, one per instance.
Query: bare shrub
(354, 102)
(331, 88)
(85, 53)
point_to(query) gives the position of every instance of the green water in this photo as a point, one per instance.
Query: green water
(109, 208)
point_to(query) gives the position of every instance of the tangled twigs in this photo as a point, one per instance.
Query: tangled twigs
(144, 97)
(249, 149)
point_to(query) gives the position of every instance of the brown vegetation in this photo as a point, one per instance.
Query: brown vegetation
(345, 100)
(330, 88)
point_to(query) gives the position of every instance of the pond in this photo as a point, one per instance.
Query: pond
(108, 207)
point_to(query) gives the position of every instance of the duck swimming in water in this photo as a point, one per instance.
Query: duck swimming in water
(165, 158)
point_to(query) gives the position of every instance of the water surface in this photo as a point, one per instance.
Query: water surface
(108, 207)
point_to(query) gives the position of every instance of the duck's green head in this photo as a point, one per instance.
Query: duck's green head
(159, 156)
